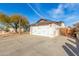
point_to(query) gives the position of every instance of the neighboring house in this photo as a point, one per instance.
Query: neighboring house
(13, 30)
(46, 28)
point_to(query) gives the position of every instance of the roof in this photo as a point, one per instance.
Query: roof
(46, 22)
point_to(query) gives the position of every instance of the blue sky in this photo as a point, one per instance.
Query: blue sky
(69, 13)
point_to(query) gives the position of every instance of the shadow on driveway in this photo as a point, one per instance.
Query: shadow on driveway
(70, 49)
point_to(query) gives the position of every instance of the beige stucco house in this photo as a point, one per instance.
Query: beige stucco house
(46, 28)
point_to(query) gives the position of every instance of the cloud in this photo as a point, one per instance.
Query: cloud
(57, 13)
(71, 6)
(70, 20)
(66, 12)
(64, 9)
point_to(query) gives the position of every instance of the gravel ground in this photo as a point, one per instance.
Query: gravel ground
(28, 45)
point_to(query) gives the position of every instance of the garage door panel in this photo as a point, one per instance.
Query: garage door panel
(44, 31)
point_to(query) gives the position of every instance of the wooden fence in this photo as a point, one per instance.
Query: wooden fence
(66, 31)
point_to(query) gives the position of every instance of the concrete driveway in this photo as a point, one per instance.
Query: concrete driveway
(27, 45)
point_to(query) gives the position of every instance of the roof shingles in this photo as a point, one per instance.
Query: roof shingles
(45, 22)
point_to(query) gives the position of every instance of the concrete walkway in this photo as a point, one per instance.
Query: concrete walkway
(26, 45)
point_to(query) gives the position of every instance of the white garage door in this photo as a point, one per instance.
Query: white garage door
(44, 31)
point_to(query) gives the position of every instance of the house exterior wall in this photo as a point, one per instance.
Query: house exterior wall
(11, 29)
(62, 25)
(50, 30)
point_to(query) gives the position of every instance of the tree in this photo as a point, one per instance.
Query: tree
(24, 23)
(5, 20)
(14, 21)
(76, 27)
(18, 22)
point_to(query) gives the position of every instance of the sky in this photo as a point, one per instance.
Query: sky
(66, 12)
